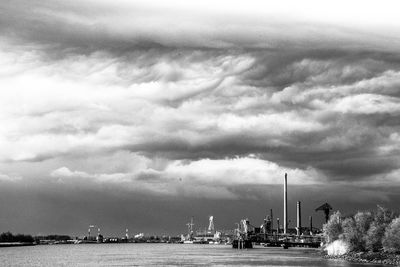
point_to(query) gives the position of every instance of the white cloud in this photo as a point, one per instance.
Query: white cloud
(238, 171)
(124, 90)
(64, 172)
(85, 102)
(9, 178)
(368, 104)
(269, 124)
(200, 178)
(141, 182)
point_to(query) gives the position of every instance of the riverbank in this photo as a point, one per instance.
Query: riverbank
(16, 244)
(369, 257)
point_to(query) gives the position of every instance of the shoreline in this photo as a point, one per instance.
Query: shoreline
(16, 244)
(369, 257)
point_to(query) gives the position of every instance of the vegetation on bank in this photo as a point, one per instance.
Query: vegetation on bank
(8, 237)
(366, 231)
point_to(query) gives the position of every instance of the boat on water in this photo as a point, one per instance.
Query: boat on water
(206, 236)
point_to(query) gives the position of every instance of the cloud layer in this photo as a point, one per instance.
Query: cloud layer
(189, 101)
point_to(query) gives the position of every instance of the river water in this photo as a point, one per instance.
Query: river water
(161, 255)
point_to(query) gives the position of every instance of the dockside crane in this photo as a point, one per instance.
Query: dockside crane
(326, 208)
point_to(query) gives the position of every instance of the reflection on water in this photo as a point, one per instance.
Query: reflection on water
(161, 255)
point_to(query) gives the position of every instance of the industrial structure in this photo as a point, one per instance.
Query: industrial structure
(247, 234)
(285, 211)
(326, 208)
(202, 236)
(298, 226)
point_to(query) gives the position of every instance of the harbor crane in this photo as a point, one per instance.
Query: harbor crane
(326, 208)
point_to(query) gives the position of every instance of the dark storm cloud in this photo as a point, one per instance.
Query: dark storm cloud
(295, 93)
(87, 26)
(348, 139)
(130, 113)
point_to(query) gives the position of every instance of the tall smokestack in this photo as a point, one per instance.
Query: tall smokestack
(298, 218)
(272, 222)
(285, 206)
(277, 229)
(311, 225)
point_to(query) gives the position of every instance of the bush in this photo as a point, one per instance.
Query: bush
(6, 237)
(349, 234)
(9, 237)
(363, 221)
(333, 228)
(391, 240)
(365, 231)
(376, 232)
(374, 237)
(355, 230)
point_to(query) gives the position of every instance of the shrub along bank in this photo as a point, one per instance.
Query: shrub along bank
(368, 236)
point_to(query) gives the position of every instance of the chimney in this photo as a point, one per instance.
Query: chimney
(272, 222)
(298, 218)
(285, 218)
(277, 229)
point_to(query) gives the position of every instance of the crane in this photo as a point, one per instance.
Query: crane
(326, 208)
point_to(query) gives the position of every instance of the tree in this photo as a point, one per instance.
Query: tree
(333, 228)
(350, 235)
(374, 236)
(9, 237)
(365, 230)
(376, 232)
(355, 230)
(391, 240)
(6, 237)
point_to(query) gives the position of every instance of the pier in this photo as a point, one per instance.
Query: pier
(285, 241)
(281, 240)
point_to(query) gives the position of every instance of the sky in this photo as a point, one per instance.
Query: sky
(142, 114)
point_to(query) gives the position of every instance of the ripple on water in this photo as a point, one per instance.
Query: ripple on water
(161, 255)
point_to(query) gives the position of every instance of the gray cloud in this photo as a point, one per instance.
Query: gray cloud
(135, 100)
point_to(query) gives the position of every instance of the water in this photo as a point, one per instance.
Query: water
(161, 255)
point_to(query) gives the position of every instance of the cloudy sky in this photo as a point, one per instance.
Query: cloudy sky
(141, 114)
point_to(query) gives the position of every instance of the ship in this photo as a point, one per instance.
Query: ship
(206, 236)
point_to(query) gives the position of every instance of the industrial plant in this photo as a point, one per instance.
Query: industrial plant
(247, 234)
(267, 234)
(271, 232)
